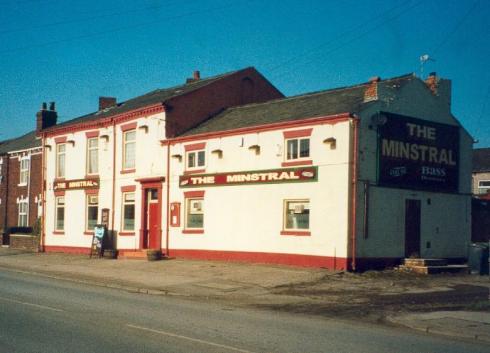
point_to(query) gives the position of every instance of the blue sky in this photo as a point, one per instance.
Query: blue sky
(72, 52)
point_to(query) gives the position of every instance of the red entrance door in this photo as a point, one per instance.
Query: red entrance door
(153, 219)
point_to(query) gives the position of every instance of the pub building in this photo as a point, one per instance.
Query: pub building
(346, 178)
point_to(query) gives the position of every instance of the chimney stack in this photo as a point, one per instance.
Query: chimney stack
(371, 92)
(106, 102)
(46, 117)
(432, 82)
(196, 76)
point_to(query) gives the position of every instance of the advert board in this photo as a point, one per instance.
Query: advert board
(417, 154)
(96, 249)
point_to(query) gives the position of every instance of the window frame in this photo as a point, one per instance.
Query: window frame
(125, 203)
(125, 142)
(88, 156)
(295, 231)
(57, 206)
(23, 215)
(195, 153)
(298, 141)
(60, 174)
(188, 202)
(483, 181)
(87, 213)
(24, 172)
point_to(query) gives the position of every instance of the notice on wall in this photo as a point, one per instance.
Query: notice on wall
(286, 175)
(417, 154)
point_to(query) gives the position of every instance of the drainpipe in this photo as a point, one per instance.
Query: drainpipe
(7, 181)
(29, 188)
(113, 177)
(355, 125)
(167, 226)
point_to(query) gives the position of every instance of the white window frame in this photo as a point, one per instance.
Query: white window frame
(298, 157)
(191, 209)
(195, 154)
(89, 156)
(128, 203)
(89, 203)
(60, 173)
(127, 142)
(285, 214)
(58, 205)
(24, 171)
(23, 216)
(480, 186)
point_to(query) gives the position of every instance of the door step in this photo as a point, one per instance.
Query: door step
(132, 254)
(431, 266)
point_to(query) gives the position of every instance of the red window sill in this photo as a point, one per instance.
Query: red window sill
(128, 171)
(297, 233)
(88, 233)
(59, 232)
(297, 163)
(193, 231)
(92, 176)
(126, 234)
(195, 171)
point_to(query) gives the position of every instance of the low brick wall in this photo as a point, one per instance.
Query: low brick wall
(24, 241)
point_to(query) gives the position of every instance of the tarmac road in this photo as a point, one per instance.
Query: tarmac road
(48, 315)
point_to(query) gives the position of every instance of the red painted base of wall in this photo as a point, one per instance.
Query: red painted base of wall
(261, 257)
(67, 249)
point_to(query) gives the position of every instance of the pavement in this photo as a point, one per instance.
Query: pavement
(240, 284)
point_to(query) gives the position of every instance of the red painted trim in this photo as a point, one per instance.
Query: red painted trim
(92, 134)
(296, 163)
(128, 171)
(91, 191)
(128, 188)
(192, 231)
(195, 171)
(195, 147)
(60, 139)
(151, 180)
(88, 233)
(297, 133)
(126, 234)
(330, 120)
(59, 193)
(130, 126)
(67, 249)
(268, 258)
(196, 193)
(295, 232)
(91, 176)
(59, 232)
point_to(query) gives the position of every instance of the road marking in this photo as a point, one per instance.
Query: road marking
(31, 304)
(189, 339)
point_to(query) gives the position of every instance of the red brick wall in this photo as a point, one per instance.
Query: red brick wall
(15, 191)
(3, 191)
(243, 87)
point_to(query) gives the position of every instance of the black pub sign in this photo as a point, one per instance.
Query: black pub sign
(417, 154)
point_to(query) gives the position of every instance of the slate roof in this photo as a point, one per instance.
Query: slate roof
(153, 97)
(24, 142)
(311, 105)
(481, 160)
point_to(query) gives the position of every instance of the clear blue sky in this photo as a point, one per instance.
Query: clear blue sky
(72, 52)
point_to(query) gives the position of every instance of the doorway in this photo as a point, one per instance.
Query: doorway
(412, 228)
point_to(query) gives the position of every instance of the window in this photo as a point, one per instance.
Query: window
(484, 184)
(129, 149)
(296, 215)
(297, 148)
(128, 212)
(24, 171)
(60, 160)
(195, 213)
(22, 221)
(60, 213)
(93, 155)
(196, 159)
(92, 212)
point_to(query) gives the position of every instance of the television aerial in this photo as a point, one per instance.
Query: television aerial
(423, 60)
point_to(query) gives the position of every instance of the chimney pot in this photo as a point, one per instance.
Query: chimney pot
(375, 79)
(46, 118)
(44, 106)
(52, 106)
(197, 75)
